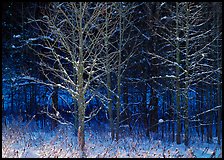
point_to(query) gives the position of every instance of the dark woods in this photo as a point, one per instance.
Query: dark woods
(154, 66)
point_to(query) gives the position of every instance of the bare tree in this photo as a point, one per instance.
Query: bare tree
(73, 39)
(125, 26)
(186, 35)
(118, 35)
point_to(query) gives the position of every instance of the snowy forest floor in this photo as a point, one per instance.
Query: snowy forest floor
(26, 140)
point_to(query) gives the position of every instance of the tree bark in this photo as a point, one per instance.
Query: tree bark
(154, 112)
(118, 105)
(55, 105)
(145, 110)
(219, 56)
(202, 116)
(178, 78)
(127, 111)
(80, 81)
(110, 111)
(186, 123)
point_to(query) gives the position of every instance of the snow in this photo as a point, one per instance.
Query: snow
(45, 17)
(23, 140)
(161, 120)
(170, 76)
(17, 36)
(40, 37)
(165, 17)
(57, 113)
(162, 4)
(29, 153)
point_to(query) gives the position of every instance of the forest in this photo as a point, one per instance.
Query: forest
(112, 79)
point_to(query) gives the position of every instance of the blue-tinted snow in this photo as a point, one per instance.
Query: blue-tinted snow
(27, 140)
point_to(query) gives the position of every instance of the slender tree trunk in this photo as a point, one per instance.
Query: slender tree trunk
(55, 105)
(33, 100)
(219, 116)
(211, 115)
(171, 114)
(186, 123)
(198, 105)
(178, 78)
(118, 105)
(25, 103)
(154, 112)
(3, 111)
(76, 116)
(219, 98)
(30, 110)
(163, 124)
(173, 128)
(145, 110)
(109, 79)
(202, 116)
(207, 116)
(110, 111)
(127, 112)
(168, 97)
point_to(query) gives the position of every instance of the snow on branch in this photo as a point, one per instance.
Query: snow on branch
(207, 111)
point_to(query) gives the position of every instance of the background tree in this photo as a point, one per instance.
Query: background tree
(184, 29)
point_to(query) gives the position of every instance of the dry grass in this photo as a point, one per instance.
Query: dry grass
(20, 141)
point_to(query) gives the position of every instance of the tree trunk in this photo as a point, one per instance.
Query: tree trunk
(80, 84)
(3, 111)
(110, 111)
(207, 116)
(168, 97)
(154, 112)
(31, 105)
(178, 78)
(109, 80)
(172, 115)
(118, 105)
(76, 116)
(219, 116)
(145, 110)
(186, 123)
(198, 105)
(163, 124)
(219, 56)
(81, 136)
(211, 115)
(127, 111)
(55, 105)
(201, 117)
(25, 103)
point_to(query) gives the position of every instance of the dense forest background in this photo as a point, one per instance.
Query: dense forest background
(150, 65)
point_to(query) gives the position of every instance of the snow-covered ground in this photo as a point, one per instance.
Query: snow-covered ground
(25, 140)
